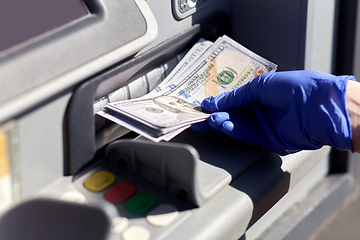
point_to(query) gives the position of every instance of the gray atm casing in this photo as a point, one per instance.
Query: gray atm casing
(49, 88)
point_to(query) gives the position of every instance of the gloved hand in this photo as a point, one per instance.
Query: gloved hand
(284, 112)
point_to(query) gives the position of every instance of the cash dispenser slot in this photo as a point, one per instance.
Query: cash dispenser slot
(80, 133)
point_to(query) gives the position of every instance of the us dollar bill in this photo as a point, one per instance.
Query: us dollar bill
(227, 65)
(164, 113)
(159, 118)
(207, 70)
(195, 53)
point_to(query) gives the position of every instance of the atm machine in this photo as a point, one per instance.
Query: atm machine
(67, 173)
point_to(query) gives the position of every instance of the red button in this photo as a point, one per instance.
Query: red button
(120, 192)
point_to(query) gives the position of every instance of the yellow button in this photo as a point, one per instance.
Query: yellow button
(99, 181)
(4, 159)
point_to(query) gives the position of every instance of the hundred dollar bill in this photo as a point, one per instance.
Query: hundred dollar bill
(197, 51)
(163, 113)
(227, 66)
(140, 128)
(206, 71)
(159, 118)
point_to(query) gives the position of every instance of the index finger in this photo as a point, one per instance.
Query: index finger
(229, 101)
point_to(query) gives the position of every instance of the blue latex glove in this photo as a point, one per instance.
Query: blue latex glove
(284, 112)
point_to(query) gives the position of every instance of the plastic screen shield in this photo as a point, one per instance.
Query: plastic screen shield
(21, 20)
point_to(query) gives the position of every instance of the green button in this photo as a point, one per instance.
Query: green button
(140, 204)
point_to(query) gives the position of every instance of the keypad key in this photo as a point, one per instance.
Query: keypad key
(119, 224)
(140, 204)
(136, 233)
(162, 215)
(99, 181)
(73, 196)
(120, 192)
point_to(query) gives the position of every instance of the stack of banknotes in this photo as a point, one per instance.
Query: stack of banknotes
(208, 69)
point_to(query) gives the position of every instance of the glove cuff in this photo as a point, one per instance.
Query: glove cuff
(344, 135)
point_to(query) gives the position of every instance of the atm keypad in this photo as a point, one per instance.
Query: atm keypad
(133, 203)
